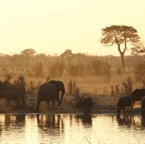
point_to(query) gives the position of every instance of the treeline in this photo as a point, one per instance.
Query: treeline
(82, 65)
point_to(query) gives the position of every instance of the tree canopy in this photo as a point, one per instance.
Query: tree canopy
(28, 52)
(138, 48)
(118, 34)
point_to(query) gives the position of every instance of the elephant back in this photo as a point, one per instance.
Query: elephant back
(56, 83)
(138, 94)
(59, 85)
(87, 102)
(124, 101)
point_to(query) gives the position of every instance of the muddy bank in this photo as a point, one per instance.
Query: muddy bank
(102, 105)
(65, 109)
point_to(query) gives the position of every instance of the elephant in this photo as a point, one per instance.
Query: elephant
(87, 103)
(137, 95)
(12, 96)
(60, 87)
(143, 107)
(48, 92)
(123, 102)
(6, 86)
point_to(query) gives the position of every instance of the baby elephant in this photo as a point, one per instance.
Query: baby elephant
(87, 104)
(123, 102)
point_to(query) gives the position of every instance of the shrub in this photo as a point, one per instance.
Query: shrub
(139, 71)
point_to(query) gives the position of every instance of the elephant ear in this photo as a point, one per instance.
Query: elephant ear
(58, 86)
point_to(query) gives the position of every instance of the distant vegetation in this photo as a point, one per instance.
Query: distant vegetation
(69, 64)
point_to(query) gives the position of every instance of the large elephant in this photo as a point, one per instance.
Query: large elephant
(7, 86)
(48, 92)
(87, 103)
(60, 87)
(123, 102)
(10, 93)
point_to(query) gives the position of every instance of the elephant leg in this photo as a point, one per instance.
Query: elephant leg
(118, 113)
(61, 99)
(58, 100)
(124, 110)
(37, 106)
(127, 109)
(53, 103)
(90, 110)
(48, 103)
(17, 102)
(59, 103)
(86, 111)
(132, 104)
(23, 100)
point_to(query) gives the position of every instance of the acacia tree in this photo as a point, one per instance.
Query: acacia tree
(119, 35)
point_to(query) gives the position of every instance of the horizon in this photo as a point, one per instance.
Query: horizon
(51, 27)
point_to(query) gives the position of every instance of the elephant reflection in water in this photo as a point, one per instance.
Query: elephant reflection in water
(143, 122)
(87, 104)
(85, 119)
(10, 119)
(7, 120)
(20, 118)
(126, 120)
(143, 111)
(50, 120)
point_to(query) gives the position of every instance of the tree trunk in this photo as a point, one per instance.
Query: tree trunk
(122, 56)
(122, 60)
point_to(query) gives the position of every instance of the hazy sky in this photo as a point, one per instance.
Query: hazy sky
(52, 26)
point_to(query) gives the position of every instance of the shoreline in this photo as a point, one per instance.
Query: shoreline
(70, 111)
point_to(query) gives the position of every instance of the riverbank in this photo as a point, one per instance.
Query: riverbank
(66, 109)
(102, 104)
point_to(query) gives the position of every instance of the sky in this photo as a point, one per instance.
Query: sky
(52, 26)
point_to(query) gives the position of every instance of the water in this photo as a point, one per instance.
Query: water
(70, 129)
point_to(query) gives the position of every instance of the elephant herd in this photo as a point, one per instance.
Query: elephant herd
(128, 102)
(48, 92)
(16, 92)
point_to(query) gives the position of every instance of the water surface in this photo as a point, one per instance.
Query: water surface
(70, 129)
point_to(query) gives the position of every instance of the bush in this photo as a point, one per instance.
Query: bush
(56, 69)
(139, 71)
